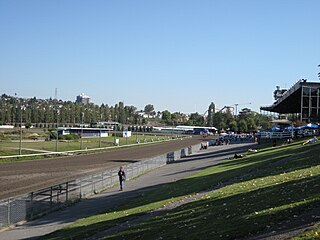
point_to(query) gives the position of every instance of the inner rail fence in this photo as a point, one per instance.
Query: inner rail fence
(87, 150)
(38, 203)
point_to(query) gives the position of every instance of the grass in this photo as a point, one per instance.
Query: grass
(257, 194)
(314, 233)
(12, 148)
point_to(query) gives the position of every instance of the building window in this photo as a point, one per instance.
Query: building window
(306, 91)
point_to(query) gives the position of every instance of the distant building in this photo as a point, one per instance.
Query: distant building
(84, 132)
(83, 99)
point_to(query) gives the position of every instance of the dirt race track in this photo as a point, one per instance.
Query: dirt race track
(24, 177)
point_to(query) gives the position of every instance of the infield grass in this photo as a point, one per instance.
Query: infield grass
(9, 148)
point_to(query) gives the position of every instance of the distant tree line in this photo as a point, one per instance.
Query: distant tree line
(52, 111)
(48, 113)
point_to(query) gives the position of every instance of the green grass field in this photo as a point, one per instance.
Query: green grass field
(10, 148)
(256, 194)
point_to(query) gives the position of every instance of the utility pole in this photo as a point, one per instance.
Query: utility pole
(20, 145)
(81, 143)
(57, 112)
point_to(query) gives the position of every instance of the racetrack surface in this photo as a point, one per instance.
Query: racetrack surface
(24, 177)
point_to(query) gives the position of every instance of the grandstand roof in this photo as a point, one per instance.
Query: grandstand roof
(290, 102)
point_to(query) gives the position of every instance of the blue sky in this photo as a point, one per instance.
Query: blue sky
(179, 55)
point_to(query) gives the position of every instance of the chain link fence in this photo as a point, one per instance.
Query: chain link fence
(35, 204)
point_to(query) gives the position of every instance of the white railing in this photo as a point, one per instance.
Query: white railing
(86, 150)
(274, 135)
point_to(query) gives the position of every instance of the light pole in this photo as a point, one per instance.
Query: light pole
(81, 143)
(57, 137)
(100, 125)
(20, 145)
(114, 134)
(137, 134)
(236, 112)
(99, 137)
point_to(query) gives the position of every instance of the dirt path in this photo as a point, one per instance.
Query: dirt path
(23, 177)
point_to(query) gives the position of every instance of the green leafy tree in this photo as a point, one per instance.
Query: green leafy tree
(242, 125)
(233, 126)
(149, 109)
(197, 119)
(166, 117)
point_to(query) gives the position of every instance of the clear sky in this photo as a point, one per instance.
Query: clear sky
(179, 55)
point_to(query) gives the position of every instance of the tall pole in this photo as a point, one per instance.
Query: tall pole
(57, 135)
(114, 134)
(236, 113)
(137, 134)
(20, 145)
(100, 125)
(81, 143)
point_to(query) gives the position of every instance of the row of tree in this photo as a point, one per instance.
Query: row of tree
(52, 112)
(246, 121)
(15, 110)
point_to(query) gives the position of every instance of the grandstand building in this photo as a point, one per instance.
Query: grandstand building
(301, 100)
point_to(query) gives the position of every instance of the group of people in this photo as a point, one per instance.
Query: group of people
(234, 138)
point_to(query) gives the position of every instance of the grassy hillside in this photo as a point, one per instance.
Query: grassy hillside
(267, 191)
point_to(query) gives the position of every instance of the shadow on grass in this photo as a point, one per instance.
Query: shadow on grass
(234, 216)
(228, 170)
(268, 209)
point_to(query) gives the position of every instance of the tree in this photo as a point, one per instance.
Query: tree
(28, 125)
(122, 114)
(252, 127)
(233, 126)
(218, 120)
(242, 125)
(197, 119)
(149, 109)
(166, 116)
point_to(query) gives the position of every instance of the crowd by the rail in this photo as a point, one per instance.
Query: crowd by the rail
(226, 139)
(234, 138)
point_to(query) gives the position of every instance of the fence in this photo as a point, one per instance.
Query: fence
(274, 135)
(38, 203)
(91, 149)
